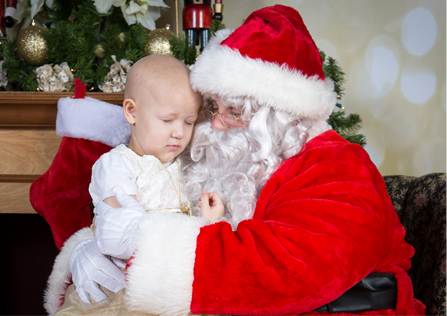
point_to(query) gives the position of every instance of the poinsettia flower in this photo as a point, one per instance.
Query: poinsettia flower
(24, 11)
(144, 12)
(103, 6)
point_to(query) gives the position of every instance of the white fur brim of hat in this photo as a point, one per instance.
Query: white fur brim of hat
(223, 71)
(92, 119)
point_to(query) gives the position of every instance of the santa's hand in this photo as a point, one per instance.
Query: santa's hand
(116, 227)
(90, 268)
(211, 206)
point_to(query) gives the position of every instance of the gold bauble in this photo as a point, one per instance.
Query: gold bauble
(159, 42)
(32, 46)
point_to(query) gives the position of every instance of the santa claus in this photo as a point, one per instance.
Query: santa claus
(307, 215)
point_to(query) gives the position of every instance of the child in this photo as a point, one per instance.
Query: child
(161, 108)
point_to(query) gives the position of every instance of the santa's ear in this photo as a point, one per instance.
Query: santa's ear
(129, 108)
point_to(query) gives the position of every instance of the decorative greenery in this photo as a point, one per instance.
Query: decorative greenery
(346, 126)
(182, 51)
(21, 76)
(124, 45)
(216, 25)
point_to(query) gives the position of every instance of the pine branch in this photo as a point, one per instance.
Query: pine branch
(124, 45)
(347, 126)
(332, 70)
(182, 51)
(216, 25)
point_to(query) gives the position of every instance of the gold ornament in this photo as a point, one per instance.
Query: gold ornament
(159, 42)
(32, 46)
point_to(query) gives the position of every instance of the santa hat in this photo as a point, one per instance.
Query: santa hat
(270, 58)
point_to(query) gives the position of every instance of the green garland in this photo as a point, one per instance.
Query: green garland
(346, 126)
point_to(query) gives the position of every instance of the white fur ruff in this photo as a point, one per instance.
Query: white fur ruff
(160, 277)
(92, 119)
(223, 71)
(60, 276)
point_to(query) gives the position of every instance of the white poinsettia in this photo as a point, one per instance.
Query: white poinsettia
(24, 11)
(143, 12)
(103, 6)
(134, 11)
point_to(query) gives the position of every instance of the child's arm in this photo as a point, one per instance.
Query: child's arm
(112, 201)
(211, 206)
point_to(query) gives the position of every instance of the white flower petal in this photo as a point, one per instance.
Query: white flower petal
(130, 19)
(155, 13)
(133, 8)
(22, 10)
(146, 20)
(119, 3)
(36, 6)
(103, 6)
(157, 3)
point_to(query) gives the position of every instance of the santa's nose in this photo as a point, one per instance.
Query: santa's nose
(218, 123)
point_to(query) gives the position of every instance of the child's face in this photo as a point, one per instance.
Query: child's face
(164, 120)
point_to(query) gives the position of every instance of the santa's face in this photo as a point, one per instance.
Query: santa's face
(226, 117)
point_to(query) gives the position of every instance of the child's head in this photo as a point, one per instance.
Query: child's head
(161, 106)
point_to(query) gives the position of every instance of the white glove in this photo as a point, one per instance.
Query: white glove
(90, 268)
(116, 227)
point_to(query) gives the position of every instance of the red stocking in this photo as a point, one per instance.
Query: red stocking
(61, 194)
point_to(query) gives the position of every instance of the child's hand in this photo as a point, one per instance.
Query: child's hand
(211, 207)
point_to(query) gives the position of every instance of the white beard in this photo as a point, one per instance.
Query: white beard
(223, 162)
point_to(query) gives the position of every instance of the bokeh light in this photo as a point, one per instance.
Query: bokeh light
(419, 31)
(417, 84)
(382, 65)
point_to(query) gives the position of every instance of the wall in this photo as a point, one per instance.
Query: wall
(394, 57)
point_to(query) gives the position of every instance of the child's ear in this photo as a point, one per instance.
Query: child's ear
(129, 108)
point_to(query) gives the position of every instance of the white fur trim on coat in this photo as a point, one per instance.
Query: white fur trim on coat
(160, 276)
(92, 119)
(60, 277)
(223, 71)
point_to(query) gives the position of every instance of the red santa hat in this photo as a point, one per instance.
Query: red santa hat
(270, 58)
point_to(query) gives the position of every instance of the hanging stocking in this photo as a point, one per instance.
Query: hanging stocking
(89, 129)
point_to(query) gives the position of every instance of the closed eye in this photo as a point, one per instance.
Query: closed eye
(167, 121)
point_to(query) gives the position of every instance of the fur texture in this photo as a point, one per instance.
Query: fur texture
(92, 119)
(160, 276)
(223, 71)
(60, 277)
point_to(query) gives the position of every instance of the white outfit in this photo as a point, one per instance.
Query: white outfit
(143, 176)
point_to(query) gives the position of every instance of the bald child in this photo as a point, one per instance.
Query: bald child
(161, 108)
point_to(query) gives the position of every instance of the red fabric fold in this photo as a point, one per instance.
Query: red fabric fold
(322, 223)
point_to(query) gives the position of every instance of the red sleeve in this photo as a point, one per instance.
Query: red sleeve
(322, 223)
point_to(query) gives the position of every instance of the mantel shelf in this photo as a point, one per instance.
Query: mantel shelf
(20, 109)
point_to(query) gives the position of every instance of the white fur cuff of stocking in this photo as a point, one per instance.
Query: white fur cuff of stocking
(160, 277)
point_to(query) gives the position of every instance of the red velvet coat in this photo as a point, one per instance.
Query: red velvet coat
(322, 223)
